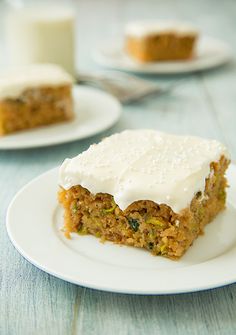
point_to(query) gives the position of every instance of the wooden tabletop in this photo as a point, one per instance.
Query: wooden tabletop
(33, 302)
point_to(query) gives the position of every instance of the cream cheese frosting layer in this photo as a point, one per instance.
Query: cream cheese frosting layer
(14, 82)
(145, 28)
(144, 165)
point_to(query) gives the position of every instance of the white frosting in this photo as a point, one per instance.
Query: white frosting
(144, 165)
(15, 81)
(145, 28)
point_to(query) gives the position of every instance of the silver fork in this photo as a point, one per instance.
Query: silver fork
(127, 88)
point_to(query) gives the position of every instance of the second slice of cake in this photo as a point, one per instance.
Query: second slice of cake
(33, 96)
(151, 41)
(145, 189)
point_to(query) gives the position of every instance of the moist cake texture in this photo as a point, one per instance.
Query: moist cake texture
(145, 189)
(34, 96)
(149, 41)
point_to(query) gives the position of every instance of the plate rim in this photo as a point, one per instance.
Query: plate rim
(53, 142)
(157, 67)
(101, 287)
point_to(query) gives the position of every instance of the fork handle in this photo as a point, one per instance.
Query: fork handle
(88, 78)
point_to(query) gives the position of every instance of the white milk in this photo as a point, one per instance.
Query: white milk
(42, 35)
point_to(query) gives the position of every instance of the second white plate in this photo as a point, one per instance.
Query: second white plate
(210, 53)
(34, 220)
(95, 111)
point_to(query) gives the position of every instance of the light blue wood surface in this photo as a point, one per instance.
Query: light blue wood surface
(33, 302)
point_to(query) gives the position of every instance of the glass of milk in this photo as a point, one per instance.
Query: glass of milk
(41, 32)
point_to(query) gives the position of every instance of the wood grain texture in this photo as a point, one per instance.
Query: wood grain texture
(211, 312)
(33, 302)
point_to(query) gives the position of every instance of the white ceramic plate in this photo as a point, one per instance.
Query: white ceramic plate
(34, 221)
(95, 112)
(210, 53)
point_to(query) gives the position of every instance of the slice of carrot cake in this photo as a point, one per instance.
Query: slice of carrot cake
(145, 189)
(150, 41)
(34, 96)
